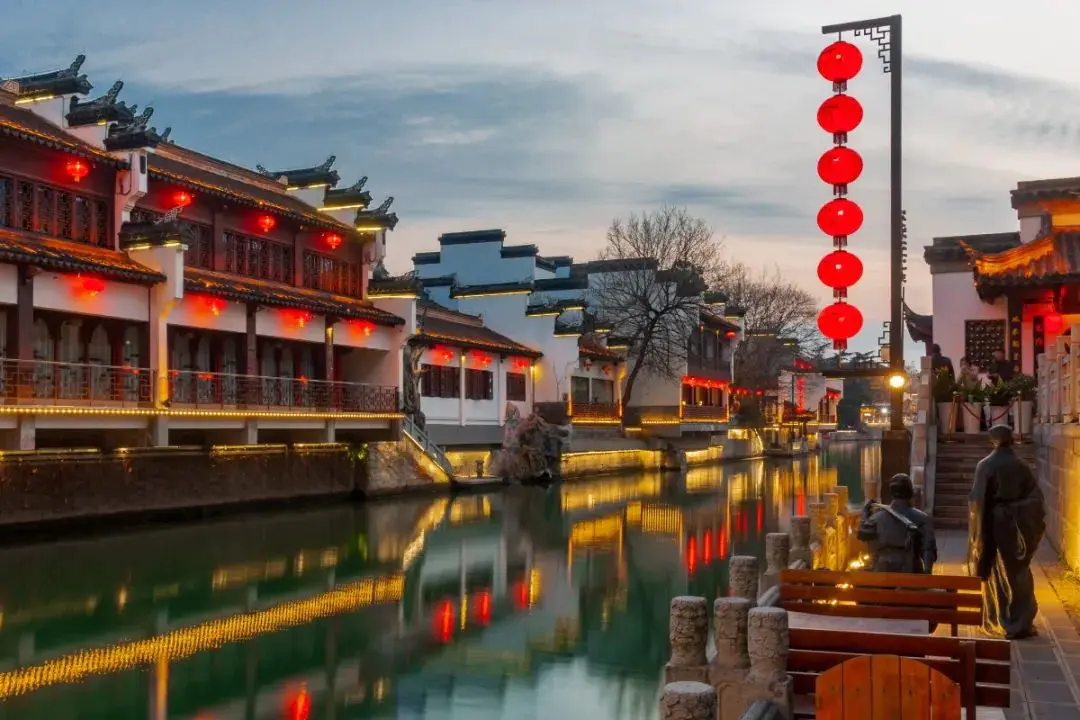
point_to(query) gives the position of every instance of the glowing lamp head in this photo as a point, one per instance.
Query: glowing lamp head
(897, 381)
(182, 199)
(77, 169)
(267, 223)
(730, 334)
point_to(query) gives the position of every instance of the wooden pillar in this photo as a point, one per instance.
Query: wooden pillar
(21, 330)
(251, 343)
(1013, 349)
(329, 371)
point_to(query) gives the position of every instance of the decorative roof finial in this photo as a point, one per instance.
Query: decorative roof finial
(385, 207)
(359, 184)
(77, 64)
(165, 135)
(328, 164)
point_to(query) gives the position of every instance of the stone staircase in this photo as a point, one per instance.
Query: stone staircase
(957, 456)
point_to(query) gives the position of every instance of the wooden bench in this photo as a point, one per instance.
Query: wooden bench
(981, 668)
(943, 599)
(885, 687)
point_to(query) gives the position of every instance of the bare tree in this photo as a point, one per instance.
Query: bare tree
(776, 309)
(647, 284)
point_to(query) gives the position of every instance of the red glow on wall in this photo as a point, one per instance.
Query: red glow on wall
(706, 547)
(208, 304)
(182, 199)
(77, 169)
(703, 382)
(482, 607)
(266, 223)
(444, 621)
(521, 594)
(333, 240)
(691, 554)
(443, 353)
(730, 333)
(90, 286)
(300, 318)
(521, 364)
(721, 549)
(299, 706)
(760, 515)
(363, 327)
(1052, 323)
(480, 358)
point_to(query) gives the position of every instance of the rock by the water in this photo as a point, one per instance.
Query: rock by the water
(532, 448)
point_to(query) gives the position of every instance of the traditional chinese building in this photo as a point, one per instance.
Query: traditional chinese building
(151, 294)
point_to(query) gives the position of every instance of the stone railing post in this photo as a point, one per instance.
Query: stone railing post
(832, 532)
(767, 644)
(688, 701)
(689, 634)
(817, 535)
(732, 659)
(777, 557)
(800, 540)
(744, 577)
(843, 527)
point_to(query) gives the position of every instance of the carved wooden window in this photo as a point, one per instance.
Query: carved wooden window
(47, 210)
(479, 384)
(440, 381)
(258, 258)
(981, 339)
(199, 238)
(332, 275)
(515, 386)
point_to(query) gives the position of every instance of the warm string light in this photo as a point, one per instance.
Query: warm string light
(840, 217)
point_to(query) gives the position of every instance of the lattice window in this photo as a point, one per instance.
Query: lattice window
(199, 238)
(981, 339)
(40, 208)
(515, 386)
(258, 258)
(25, 204)
(7, 202)
(46, 210)
(64, 216)
(329, 274)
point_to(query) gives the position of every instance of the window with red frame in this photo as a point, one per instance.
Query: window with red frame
(332, 275)
(39, 208)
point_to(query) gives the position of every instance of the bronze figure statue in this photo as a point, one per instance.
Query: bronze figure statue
(900, 536)
(1006, 523)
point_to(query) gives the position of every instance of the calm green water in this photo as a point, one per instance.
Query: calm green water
(525, 604)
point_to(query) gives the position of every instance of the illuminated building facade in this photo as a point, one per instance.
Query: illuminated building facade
(153, 295)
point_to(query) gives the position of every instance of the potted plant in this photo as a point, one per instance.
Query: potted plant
(998, 398)
(973, 397)
(1024, 388)
(943, 389)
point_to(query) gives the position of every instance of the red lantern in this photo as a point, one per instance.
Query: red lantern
(90, 285)
(267, 223)
(333, 241)
(299, 706)
(364, 327)
(840, 269)
(839, 114)
(840, 218)
(840, 62)
(840, 166)
(182, 199)
(77, 170)
(730, 333)
(840, 322)
(1052, 323)
(444, 621)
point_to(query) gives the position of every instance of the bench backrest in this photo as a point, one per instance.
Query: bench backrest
(944, 599)
(885, 687)
(981, 667)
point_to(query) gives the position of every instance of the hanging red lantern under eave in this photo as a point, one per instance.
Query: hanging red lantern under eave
(840, 218)
(840, 269)
(91, 286)
(77, 169)
(839, 114)
(267, 223)
(840, 62)
(333, 241)
(840, 166)
(840, 322)
(182, 199)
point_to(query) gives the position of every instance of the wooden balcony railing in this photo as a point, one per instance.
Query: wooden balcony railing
(41, 382)
(704, 414)
(584, 413)
(223, 390)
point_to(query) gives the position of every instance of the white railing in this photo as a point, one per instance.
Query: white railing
(1058, 393)
(432, 450)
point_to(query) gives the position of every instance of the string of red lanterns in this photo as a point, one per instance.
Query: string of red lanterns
(840, 217)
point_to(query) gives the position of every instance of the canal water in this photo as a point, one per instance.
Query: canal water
(529, 603)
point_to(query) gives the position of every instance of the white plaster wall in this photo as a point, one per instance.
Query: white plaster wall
(955, 301)
(1029, 228)
(443, 411)
(650, 389)
(483, 264)
(283, 324)
(54, 291)
(195, 311)
(9, 275)
(355, 333)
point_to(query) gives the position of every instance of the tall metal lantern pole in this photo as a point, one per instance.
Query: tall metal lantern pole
(886, 32)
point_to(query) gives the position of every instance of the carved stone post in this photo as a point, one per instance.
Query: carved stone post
(689, 634)
(688, 701)
(817, 535)
(843, 527)
(832, 535)
(744, 576)
(777, 552)
(767, 643)
(728, 672)
(843, 494)
(800, 540)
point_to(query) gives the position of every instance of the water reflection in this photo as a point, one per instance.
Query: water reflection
(480, 606)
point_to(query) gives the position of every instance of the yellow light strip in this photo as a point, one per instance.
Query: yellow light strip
(353, 206)
(30, 100)
(188, 641)
(181, 413)
(392, 296)
(492, 294)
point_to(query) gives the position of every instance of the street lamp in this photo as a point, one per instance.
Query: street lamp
(897, 381)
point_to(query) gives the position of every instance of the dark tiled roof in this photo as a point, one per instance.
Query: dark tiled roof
(26, 125)
(355, 194)
(580, 282)
(1034, 190)
(920, 327)
(468, 333)
(951, 249)
(246, 187)
(275, 294)
(1051, 260)
(734, 311)
(714, 297)
(559, 260)
(515, 251)
(589, 348)
(608, 266)
(556, 307)
(393, 286)
(66, 81)
(472, 236)
(490, 289)
(100, 109)
(438, 281)
(426, 258)
(54, 254)
(717, 322)
(304, 177)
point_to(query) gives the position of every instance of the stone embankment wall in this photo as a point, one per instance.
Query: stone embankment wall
(1057, 454)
